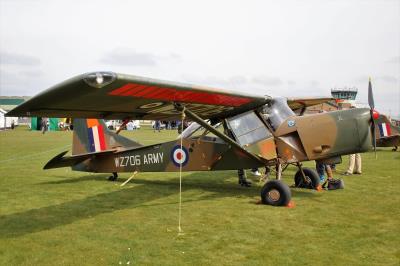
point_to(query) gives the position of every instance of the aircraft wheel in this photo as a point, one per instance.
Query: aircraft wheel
(312, 179)
(275, 193)
(114, 177)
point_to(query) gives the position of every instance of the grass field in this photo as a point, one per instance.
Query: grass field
(60, 217)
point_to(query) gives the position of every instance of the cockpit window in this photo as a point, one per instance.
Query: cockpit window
(248, 128)
(196, 130)
(276, 112)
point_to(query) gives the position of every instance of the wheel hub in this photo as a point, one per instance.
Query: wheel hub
(274, 195)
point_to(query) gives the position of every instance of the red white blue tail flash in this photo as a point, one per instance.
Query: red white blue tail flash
(384, 129)
(95, 135)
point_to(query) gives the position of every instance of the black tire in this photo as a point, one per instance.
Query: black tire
(312, 179)
(114, 177)
(275, 193)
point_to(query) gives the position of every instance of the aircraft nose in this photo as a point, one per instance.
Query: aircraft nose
(364, 128)
(354, 130)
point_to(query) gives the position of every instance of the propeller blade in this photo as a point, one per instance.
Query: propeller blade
(370, 96)
(371, 103)
(373, 133)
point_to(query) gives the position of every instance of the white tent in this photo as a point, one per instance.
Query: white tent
(5, 122)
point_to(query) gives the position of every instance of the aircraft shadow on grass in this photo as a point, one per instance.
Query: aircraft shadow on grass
(45, 218)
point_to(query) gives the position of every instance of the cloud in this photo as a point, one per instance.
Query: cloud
(127, 57)
(238, 80)
(31, 73)
(314, 83)
(18, 83)
(385, 78)
(175, 56)
(18, 59)
(267, 81)
(394, 60)
(388, 79)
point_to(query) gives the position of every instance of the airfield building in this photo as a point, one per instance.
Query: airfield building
(344, 98)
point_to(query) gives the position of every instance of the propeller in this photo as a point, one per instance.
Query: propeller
(374, 114)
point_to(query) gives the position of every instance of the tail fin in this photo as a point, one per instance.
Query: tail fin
(92, 135)
(385, 128)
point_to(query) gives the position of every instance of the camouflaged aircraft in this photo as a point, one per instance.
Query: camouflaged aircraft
(256, 131)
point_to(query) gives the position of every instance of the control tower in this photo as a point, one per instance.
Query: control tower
(345, 97)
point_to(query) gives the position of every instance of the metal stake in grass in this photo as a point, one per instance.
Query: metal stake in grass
(180, 232)
(129, 179)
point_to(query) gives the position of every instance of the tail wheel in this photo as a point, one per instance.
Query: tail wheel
(311, 180)
(275, 193)
(114, 177)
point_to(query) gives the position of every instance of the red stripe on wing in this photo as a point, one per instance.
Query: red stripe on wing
(170, 94)
(122, 89)
(133, 88)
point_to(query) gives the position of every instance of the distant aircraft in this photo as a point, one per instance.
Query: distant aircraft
(387, 135)
(257, 131)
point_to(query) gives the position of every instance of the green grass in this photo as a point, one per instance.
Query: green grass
(60, 217)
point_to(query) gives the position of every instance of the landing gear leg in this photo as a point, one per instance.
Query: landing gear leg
(306, 178)
(278, 171)
(276, 192)
(264, 177)
(114, 177)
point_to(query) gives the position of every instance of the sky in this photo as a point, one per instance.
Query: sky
(279, 48)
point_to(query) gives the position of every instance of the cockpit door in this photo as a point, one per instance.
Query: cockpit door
(252, 134)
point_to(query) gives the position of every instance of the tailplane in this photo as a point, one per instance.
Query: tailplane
(92, 136)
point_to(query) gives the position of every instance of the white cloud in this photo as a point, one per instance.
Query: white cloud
(18, 59)
(268, 47)
(128, 57)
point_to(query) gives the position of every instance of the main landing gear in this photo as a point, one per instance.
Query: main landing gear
(114, 177)
(306, 178)
(275, 192)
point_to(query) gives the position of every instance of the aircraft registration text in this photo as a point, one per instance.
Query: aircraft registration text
(136, 160)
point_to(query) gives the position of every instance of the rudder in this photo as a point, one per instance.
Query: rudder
(92, 135)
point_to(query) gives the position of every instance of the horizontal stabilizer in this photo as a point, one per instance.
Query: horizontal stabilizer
(61, 161)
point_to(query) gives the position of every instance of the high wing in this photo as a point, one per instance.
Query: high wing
(299, 103)
(109, 95)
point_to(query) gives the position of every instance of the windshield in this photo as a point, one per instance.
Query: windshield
(248, 128)
(277, 111)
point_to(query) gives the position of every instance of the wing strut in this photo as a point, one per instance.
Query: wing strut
(224, 137)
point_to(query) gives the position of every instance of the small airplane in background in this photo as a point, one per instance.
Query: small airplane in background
(258, 131)
(387, 135)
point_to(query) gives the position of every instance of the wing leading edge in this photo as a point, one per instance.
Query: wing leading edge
(109, 95)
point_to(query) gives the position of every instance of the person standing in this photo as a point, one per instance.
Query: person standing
(43, 124)
(354, 161)
(157, 125)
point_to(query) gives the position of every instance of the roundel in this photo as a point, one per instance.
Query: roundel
(179, 155)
